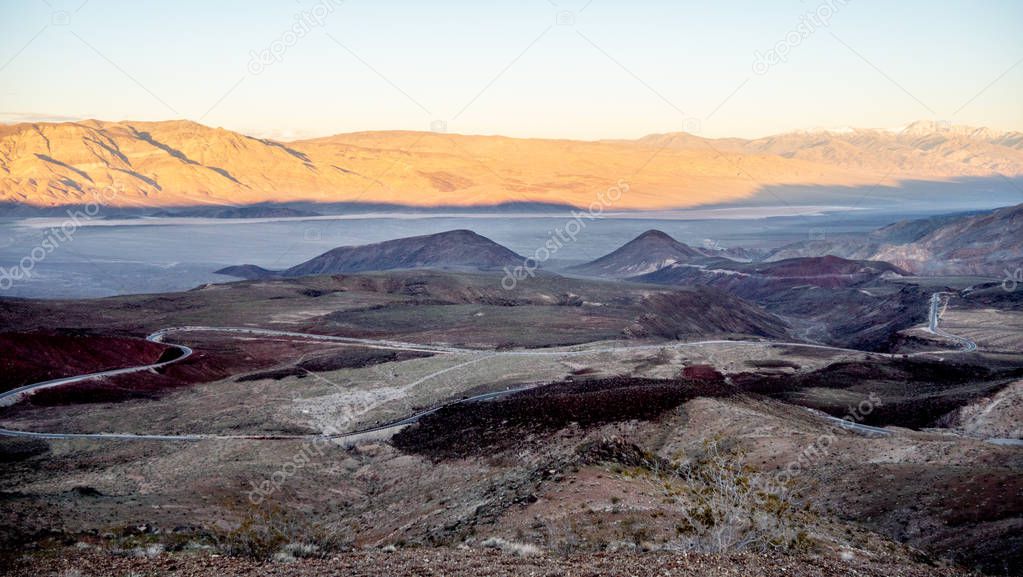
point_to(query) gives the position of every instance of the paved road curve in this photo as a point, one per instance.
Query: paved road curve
(967, 346)
(12, 396)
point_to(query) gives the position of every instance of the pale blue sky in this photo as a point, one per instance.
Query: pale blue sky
(615, 69)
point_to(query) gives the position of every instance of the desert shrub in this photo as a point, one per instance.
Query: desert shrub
(563, 536)
(271, 531)
(519, 549)
(721, 505)
(149, 551)
(293, 551)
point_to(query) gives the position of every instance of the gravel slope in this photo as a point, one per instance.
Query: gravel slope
(470, 562)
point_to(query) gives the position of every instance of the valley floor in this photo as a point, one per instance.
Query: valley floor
(641, 449)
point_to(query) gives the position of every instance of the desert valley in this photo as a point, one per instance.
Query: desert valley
(555, 288)
(393, 397)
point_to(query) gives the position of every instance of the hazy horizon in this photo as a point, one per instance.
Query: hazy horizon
(546, 69)
(895, 129)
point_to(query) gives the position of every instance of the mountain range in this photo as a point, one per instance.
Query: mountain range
(923, 147)
(186, 164)
(988, 243)
(826, 298)
(981, 243)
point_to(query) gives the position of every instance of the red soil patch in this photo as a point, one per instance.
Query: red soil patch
(705, 373)
(34, 357)
(215, 357)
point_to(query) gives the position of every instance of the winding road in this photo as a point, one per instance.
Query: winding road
(13, 396)
(934, 316)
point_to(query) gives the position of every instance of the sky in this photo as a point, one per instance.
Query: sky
(577, 69)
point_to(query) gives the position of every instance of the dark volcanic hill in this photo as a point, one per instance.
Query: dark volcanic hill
(759, 280)
(829, 299)
(644, 254)
(455, 249)
(463, 308)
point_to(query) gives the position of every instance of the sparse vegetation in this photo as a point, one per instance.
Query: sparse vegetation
(724, 506)
(272, 531)
(519, 549)
(524, 467)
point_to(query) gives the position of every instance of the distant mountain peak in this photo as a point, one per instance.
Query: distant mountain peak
(460, 233)
(650, 251)
(930, 127)
(654, 237)
(452, 249)
(654, 234)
